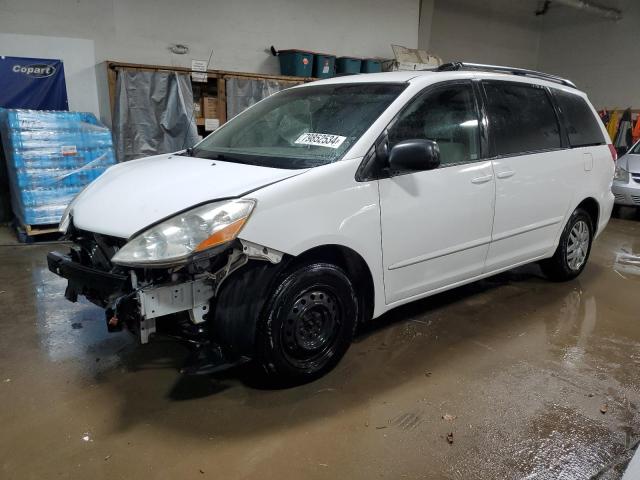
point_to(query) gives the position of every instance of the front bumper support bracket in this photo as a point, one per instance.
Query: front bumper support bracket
(156, 301)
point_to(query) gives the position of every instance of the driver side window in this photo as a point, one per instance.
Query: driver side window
(446, 115)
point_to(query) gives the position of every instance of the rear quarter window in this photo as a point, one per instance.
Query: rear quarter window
(581, 124)
(521, 119)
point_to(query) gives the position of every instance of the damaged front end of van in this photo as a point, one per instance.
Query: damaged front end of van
(163, 278)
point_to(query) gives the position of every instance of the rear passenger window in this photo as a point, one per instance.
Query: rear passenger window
(582, 126)
(521, 119)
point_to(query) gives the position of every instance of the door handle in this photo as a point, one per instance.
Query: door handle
(483, 179)
(506, 174)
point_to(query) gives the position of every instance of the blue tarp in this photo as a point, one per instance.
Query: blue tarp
(32, 83)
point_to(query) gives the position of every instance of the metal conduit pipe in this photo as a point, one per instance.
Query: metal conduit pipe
(607, 12)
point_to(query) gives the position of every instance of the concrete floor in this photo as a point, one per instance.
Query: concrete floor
(519, 367)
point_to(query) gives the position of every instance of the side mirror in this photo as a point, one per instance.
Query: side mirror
(382, 151)
(414, 155)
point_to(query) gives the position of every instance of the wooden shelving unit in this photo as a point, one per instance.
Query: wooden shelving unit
(216, 82)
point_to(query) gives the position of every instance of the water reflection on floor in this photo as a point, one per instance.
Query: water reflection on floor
(521, 369)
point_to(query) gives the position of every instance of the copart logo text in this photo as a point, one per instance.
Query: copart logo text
(37, 71)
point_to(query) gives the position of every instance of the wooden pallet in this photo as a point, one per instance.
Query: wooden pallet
(40, 229)
(26, 233)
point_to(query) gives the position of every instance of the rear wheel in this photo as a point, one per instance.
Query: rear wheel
(573, 250)
(308, 323)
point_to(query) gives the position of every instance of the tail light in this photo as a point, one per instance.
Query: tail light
(614, 153)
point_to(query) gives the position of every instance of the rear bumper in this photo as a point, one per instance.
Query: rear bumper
(626, 194)
(86, 280)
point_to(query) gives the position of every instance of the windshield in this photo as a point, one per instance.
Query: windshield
(636, 149)
(300, 127)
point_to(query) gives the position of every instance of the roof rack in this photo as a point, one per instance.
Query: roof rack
(453, 66)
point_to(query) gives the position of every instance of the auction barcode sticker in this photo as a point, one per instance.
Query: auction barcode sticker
(320, 140)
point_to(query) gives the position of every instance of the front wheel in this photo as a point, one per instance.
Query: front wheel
(308, 323)
(573, 250)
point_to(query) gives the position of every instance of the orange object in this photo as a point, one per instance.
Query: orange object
(635, 133)
(221, 236)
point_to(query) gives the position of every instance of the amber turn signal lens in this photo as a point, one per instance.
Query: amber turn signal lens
(227, 234)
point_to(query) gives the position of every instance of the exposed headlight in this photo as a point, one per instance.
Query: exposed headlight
(621, 175)
(172, 241)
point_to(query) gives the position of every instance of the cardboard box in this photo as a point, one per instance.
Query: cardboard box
(210, 107)
(410, 59)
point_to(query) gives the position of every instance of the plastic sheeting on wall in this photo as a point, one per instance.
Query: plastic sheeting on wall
(242, 93)
(153, 113)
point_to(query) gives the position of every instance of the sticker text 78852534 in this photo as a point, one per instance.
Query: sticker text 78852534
(320, 140)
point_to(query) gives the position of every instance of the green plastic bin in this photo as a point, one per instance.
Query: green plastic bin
(348, 65)
(371, 65)
(324, 66)
(296, 63)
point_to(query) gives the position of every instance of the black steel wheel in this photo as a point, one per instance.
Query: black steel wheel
(308, 323)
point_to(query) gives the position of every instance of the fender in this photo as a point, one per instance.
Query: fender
(325, 206)
(595, 185)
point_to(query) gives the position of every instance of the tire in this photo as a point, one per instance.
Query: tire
(574, 248)
(307, 324)
(235, 312)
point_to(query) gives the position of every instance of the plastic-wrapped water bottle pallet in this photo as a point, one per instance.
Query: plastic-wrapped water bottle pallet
(33, 233)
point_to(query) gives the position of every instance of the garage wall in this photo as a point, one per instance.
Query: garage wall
(77, 55)
(599, 55)
(501, 32)
(238, 31)
(596, 53)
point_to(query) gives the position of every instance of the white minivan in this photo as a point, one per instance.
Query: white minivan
(328, 204)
